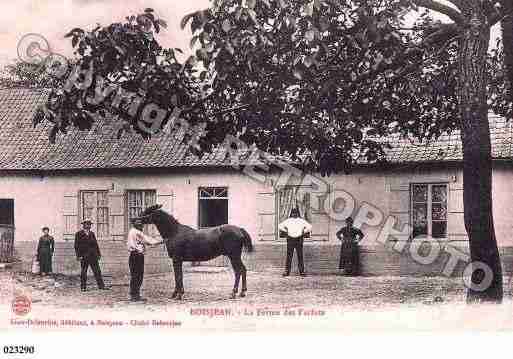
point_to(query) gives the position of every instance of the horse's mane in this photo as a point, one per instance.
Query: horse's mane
(166, 224)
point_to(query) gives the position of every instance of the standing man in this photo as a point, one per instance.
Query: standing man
(349, 251)
(88, 253)
(136, 241)
(295, 227)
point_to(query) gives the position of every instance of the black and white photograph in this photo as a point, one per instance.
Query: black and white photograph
(258, 166)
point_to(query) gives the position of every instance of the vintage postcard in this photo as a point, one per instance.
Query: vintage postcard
(255, 165)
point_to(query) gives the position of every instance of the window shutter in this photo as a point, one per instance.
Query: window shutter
(455, 215)
(399, 206)
(70, 216)
(319, 218)
(117, 216)
(165, 198)
(266, 207)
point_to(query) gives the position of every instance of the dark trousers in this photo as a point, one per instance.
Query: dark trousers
(84, 264)
(295, 244)
(136, 265)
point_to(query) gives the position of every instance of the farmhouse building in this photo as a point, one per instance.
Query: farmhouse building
(93, 174)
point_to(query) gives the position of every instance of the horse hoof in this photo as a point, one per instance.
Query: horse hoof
(179, 297)
(233, 296)
(242, 294)
(173, 296)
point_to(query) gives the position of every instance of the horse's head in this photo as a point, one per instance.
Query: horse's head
(166, 223)
(151, 214)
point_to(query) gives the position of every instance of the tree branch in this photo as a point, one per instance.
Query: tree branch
(452, 13)
(445, 35)
(499, 16)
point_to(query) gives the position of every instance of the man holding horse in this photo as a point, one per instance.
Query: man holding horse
(136, 241)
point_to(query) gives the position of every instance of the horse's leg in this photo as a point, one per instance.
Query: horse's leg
(236, 262)
(177, 269)
(243, 272)
(180, 281)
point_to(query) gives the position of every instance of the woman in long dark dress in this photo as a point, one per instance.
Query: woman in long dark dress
(45, 249)
(349, 253)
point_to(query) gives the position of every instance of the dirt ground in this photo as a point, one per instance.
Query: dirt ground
(268, 294)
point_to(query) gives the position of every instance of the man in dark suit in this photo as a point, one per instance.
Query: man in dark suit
(88, 253)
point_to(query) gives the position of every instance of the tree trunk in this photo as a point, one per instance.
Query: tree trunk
(477, 163)
(507, 42)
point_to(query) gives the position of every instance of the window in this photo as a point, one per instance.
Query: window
(138, 200)
(213, 206)
(288, 198)
(6, 212)
(429, 210)
(95, 207)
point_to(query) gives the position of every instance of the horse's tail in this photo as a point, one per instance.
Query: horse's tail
(246, 240)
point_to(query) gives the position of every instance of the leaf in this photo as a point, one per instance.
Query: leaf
(251, 3)
(186, 19)
(38, 117)
(310, 35)
(308, 61)
(283, 4)
(53, 134)
(298, 73)
(253, 15)
(230, 48)
(193, 41)
(227, 25)
(324, 24)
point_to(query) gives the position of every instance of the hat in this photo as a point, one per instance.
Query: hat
(350, 219)
(136, 220)
(87, 221)
(45, 228)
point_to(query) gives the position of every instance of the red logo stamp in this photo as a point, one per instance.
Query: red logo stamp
(21, 305)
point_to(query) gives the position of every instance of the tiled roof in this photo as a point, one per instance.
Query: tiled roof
(448, 147)
(23, 147)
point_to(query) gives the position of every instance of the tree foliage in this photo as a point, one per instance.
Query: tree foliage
(329, 80)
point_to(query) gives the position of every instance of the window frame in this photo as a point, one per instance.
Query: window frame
(200, 198)
(95, 217)
(429, 205)
(146, 230)
(13, 224)
(307, 238)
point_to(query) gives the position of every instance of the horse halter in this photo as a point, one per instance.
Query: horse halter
(142, 218)
(152, 209)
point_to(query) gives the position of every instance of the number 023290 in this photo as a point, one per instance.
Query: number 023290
(19, 349)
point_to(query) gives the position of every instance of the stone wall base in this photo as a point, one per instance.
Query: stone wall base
(319, 259)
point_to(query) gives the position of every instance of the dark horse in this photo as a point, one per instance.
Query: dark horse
(185, 244)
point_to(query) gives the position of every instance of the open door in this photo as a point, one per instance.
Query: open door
(6, 230)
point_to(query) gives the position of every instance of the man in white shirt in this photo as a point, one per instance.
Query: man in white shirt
(136, 241)
(295, 227)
